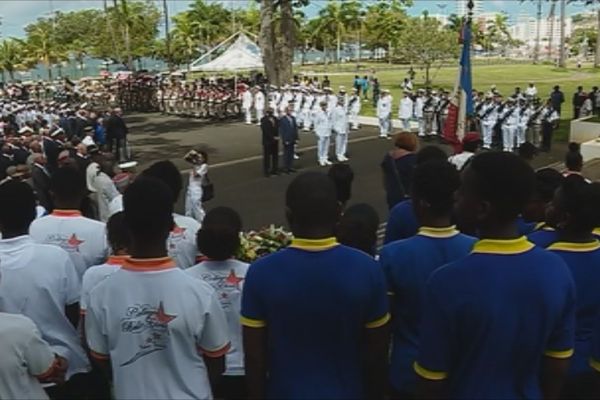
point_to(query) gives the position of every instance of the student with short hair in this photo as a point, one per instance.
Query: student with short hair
(547, 181)
(575, 210)
(343, 176)
(40, 282)
(498, 323)
(408, 264)
(162, 332)
(219, 241)
(83, 238)
(402, 222)
(315, 314)
(358, 228)
(182, 239)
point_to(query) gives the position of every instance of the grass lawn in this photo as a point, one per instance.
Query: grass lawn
(505, 76)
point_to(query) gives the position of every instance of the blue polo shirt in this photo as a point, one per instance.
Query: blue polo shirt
(407, 265)
(315, 299)
(525, 228)
(402, 222)
(490, 317)
(543, 237)
(583, 259)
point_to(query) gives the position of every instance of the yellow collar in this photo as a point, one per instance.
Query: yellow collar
(314, 244)
(596, 231)
(445, 232)
(575, 247)
(504, 247)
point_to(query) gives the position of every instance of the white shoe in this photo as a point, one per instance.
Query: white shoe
(327, 162)
(322, 164)
(296, 157)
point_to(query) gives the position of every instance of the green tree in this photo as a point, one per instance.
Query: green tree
(597, 40)
(41, 45)
(385, 21)
(11, 56)
(425, 42)
(185, 36)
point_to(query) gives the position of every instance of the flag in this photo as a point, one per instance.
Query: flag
(461, 102)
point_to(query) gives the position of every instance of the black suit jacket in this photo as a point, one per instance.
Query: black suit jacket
(41, 185)
(270, 129)
(115, 128)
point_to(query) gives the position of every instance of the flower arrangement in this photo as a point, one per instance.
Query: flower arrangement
(257, 244)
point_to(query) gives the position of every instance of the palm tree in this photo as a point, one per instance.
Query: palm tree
(41, 46)
(11, 56)
(186, 32)
(333, 21)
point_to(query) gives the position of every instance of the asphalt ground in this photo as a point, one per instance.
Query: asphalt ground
(235, 163)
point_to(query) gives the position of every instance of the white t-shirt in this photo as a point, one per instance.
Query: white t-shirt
(25, 357)
(181, 243)
(227, 279)
(39, 281)
(83, 238)
(115, 206)
(459, 160)
(154, 323)
(96, 274)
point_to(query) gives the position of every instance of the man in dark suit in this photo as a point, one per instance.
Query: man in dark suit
(53, 145)
(41, 181)
(288, 132)
(270, 141)
(116, 134)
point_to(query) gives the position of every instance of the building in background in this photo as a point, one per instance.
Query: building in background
(525, 30)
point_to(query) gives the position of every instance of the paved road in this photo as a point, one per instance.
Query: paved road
(235, 157)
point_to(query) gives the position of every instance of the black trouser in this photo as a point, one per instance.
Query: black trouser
(118, 145)
(576, 112)
(270, 158)
(231, 388)
(288, 156)
(547, 129)
(91, 385)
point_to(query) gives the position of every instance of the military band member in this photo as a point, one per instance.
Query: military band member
(428, 112)
(535, 123)
(549, 119)
(419, 103)
(488, 117)
(307, 107)
(524, 113)
(508, 122)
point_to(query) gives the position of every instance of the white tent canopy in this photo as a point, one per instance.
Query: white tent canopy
(243, 54)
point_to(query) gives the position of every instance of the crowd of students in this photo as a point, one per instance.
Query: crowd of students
(486, 288)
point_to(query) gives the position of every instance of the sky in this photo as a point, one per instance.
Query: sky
(16, 14)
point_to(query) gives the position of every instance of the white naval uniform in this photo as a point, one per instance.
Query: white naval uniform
(384, 110)
(524, 114)
(259, 105)
(331, 102)
(354, 110)
(509, 127)
(490, 116)
(419, 102)
(339, 119)
(322, 122)
(307, 112)
(297, 111)
(405, 112)
(247, 106)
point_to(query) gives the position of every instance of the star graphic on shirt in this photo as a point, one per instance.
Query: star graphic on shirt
(233, 280)
(161, 316)
(74, 241)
